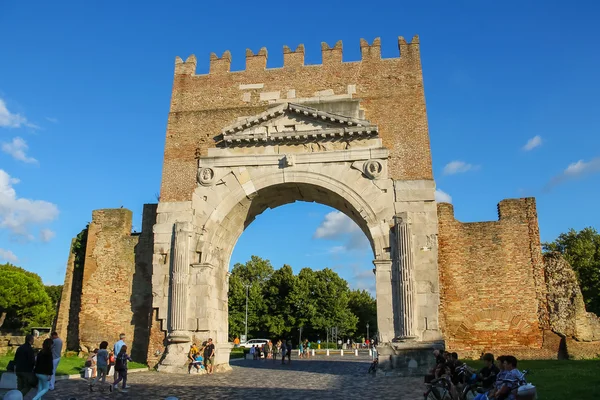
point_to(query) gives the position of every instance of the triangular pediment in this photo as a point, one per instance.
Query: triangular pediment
(295, 122)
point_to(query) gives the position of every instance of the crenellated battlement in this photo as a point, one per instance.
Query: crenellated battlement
(295, 59)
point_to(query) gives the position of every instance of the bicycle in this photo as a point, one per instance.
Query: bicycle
(438, 389)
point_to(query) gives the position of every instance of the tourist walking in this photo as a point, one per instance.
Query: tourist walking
(101, 365)
(43, 369)
(57, 346)
(119, 344)
(121, 369)
(276, 349)
(209, 356)
(24, 365)
(253, 352)
(289, 351)
(283, 351)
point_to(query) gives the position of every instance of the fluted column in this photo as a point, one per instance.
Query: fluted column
(406, 282)
(385, 299)
(180, 275)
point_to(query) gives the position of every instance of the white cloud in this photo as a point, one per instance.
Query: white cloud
(8, 255)
(575, 170)
(442, 197)
(10, 120)
(337, 249)
(533, 143)
(17, 149)
(17, 214)
(335, 225)
(338, 226)
(53, 120)
(457, 167)
(47, 235)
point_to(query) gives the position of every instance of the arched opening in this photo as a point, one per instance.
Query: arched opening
(308, 257)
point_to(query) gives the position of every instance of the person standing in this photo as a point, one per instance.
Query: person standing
(24, 365)
(119, 344)
(289, 351)
(283, 351)
(209, 356)
(57, 345)
(101, 365)
(44, 367)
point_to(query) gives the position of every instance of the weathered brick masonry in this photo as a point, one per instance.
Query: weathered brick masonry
(391, 93)
(494, 289)
(113, 291)
(491, 279)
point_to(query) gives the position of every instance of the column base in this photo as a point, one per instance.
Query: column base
(407, 358)
(176, 359)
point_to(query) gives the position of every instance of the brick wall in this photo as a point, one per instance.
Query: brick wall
(116, 286)
(390, 90)
(61, 324)
(491, 280)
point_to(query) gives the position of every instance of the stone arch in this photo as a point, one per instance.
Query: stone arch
(230, 218)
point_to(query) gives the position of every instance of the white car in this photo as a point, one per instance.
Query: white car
(254, 342)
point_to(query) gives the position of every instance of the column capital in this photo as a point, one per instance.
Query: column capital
(382, 264)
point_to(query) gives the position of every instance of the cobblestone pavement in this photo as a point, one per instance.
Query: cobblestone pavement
(320, 377)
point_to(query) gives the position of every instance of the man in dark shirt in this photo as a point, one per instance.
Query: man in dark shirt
(24, 364)
(209, 356)
(488, 374)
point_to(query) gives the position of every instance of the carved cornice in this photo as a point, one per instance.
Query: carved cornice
(333, 126)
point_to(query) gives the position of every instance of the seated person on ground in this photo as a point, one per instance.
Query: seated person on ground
(487, 375)
(509, 383)
(193, 354)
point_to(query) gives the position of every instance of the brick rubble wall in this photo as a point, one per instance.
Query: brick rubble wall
(391, 93)
(61, 324)
(116, 294)
(491, 281)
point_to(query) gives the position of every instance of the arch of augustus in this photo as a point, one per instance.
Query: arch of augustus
(350, 135)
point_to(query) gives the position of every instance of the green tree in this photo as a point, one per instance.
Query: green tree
(322, 299)
(364, 306)
(280, 318)
(23, 299)
(582, 250)
(255, 274)
(54, 292)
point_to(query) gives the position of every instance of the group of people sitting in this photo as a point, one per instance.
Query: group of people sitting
(499, 381)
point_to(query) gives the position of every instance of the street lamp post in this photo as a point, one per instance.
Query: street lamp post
(247, 288)
(367, 331)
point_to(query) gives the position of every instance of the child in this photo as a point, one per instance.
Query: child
(121, 369)
(91, 362)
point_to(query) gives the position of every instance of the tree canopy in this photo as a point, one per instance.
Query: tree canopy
(280, 303)
(23, 299)
(582, 250)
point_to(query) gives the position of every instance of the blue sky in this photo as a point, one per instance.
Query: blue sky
(85, 90)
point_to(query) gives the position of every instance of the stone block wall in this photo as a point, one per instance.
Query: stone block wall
(493, 291)
(391, 93)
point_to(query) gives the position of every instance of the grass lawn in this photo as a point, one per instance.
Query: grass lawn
(561, 379)
(67, 365)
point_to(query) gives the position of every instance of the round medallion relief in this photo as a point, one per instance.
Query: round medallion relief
(373, 168)
(206, 176)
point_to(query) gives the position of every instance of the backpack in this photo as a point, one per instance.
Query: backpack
(120, 363)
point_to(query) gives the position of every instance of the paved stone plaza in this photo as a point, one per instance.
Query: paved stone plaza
(332, 377)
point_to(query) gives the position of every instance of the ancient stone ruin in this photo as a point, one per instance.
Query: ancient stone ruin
(351, 135)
